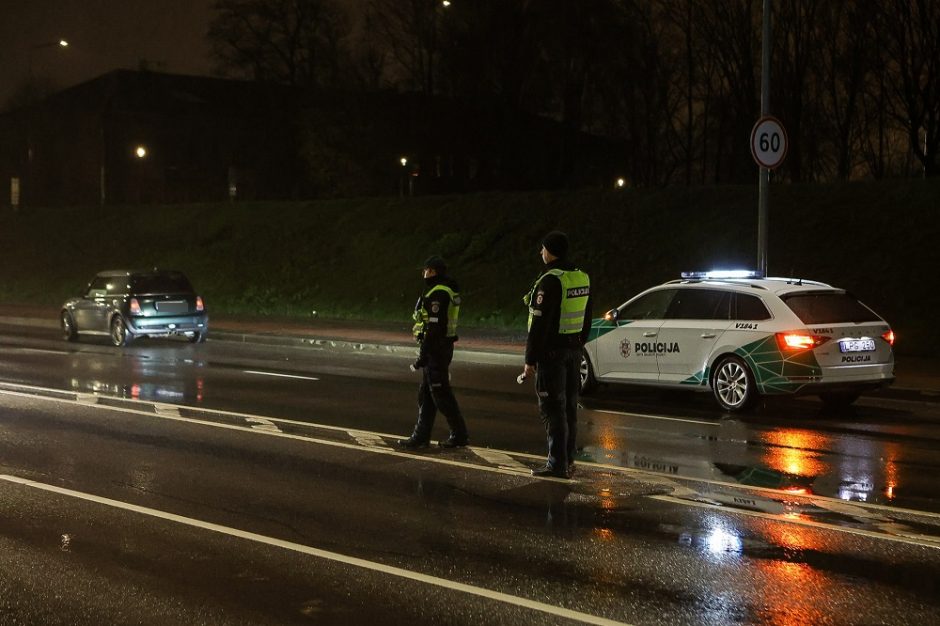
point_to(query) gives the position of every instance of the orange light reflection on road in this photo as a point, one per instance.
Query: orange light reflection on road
(796, 452)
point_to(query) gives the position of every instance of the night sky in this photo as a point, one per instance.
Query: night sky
(169, 35)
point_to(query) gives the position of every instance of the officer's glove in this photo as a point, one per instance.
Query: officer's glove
(418, 364)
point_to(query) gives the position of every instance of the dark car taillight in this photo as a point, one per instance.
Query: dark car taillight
(135, 306)
(199, 305)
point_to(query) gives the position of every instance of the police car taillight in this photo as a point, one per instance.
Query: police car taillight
(889, 337)
(799, 341)
(135, 306)
(199, 305)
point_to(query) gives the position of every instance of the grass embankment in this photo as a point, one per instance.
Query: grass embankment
(358, 258)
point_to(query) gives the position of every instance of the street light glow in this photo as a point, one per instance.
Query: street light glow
(446, 3)
(621, 182)
(63, 43)
(141, 152)
(404, 161)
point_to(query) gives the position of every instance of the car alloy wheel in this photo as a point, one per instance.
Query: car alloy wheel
(733, 384)
(119, 334)
(586, 373)
(69, 332)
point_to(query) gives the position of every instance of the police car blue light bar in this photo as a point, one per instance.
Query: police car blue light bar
(719, 274)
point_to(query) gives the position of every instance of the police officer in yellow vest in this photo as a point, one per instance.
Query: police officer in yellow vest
(559, 322)
(436, 331)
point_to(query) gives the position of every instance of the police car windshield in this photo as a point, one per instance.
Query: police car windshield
(829, 308)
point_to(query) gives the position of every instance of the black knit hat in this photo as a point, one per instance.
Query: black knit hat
(435, 263)
(556, 242)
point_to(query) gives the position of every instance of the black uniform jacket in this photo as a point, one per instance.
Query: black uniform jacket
(546, 304)
(435, 331)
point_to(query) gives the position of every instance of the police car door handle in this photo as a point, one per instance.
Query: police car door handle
(650, 334)
(708, 335)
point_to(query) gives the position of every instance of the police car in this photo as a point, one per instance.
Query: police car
(740, 335)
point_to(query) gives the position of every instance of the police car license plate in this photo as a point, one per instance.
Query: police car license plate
(857, 345)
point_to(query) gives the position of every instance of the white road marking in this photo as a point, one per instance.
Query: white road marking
(166, 410)
(262, 423)
(655, 417)
(34, 392)
(280, 375)
(500, 459)
(369, 440)
(913, 539)
(322, 554)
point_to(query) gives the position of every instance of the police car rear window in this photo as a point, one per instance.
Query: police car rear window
(829, 308)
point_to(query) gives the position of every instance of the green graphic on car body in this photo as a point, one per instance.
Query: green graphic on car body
(776, 372)
(602, 326)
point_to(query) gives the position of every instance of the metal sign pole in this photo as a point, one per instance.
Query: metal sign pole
(764, 176)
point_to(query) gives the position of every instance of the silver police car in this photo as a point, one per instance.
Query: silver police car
(739, 336)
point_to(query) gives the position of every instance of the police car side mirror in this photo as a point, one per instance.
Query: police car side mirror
(612, 315)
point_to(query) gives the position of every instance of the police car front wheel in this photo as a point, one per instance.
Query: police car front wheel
(733, 384)
(588, 382)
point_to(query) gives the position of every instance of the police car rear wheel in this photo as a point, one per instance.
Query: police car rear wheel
(733, 384)
(588, 382)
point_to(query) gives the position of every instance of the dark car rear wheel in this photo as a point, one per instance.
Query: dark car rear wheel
(733, 384)
(69, 330)
(119, 334)
(588, 382)
(197, 337)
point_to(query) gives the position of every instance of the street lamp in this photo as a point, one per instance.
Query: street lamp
(61, 43)
(140, 152)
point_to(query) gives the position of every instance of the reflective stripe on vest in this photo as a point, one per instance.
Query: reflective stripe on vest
(453, 309)
(575, 289)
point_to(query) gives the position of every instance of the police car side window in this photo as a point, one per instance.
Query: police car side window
(749, 308)
(699, 304)
(651, 306)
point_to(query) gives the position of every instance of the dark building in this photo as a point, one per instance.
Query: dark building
(131, 137)
(140, 137)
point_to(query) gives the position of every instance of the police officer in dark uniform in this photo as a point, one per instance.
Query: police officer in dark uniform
(436, 331)
(559, 322)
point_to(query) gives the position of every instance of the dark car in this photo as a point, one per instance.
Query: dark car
(125, 305)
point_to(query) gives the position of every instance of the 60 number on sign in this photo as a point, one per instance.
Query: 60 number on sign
(768, 142)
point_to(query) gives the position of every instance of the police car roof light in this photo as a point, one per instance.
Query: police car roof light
(719, 274)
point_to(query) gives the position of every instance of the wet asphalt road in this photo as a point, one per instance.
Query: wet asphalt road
(268, 490)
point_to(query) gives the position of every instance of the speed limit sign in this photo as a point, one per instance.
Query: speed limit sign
(769, 142)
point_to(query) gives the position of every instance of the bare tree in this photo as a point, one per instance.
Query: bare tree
(911, 30)
(295, 42)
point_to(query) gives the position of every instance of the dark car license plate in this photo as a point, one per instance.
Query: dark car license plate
(857, 345)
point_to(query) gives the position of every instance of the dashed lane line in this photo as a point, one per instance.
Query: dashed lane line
(278, 375)
(374, 566)
(369, 440)
(500, 459)
(149, 409)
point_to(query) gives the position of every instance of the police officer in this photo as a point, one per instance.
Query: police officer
(436, 331)
(559, 322)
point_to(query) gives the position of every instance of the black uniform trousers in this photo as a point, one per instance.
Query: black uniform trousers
(557, 381)
(435, 393)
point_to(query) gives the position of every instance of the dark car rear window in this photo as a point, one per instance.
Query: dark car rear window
(829, 308)
(160, 283)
